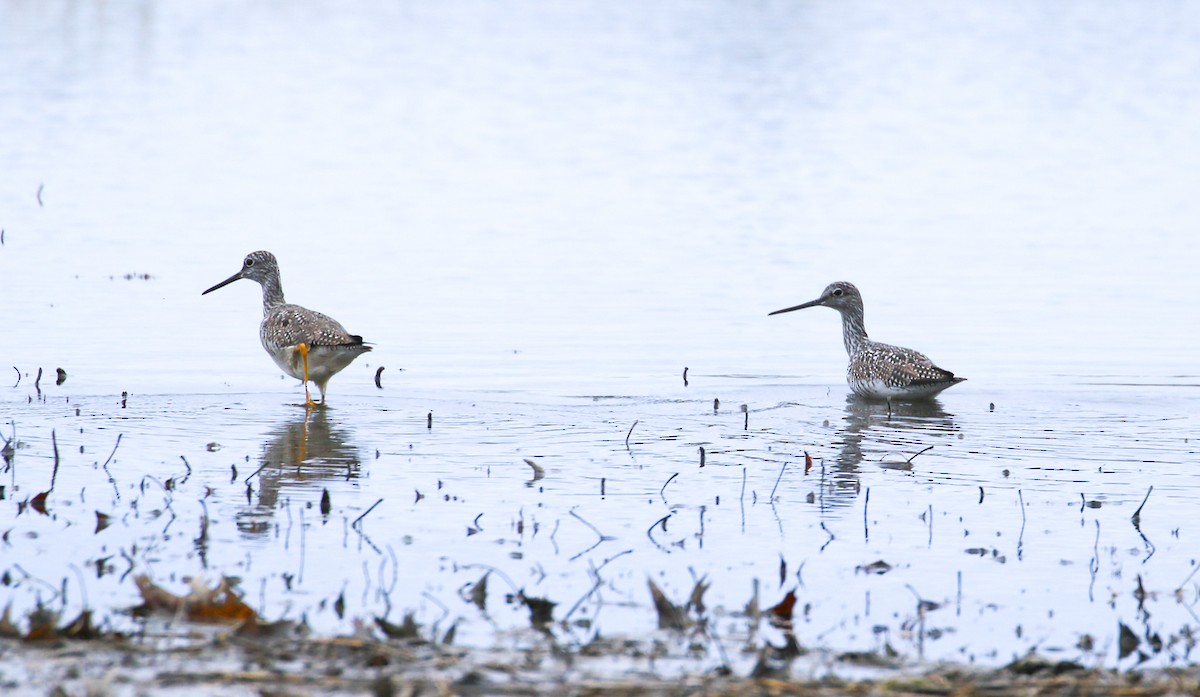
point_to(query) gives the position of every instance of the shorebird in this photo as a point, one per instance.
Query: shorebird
(306, 345)
(876, 370)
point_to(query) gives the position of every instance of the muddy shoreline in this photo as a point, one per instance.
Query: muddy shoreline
(227, 664)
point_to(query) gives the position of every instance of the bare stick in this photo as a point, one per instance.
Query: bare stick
(246, 481)
(627, 435)
(18, 382)
(54, 474)
(866, 503)
(781, 469)
(1137, 515)
(650, 531)
(1021, 536)
(924, 450)
(664, 487)
(378, 374)
(364, 515)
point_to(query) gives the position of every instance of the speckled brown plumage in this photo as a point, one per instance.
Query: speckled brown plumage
(285, 327)
(878, 370)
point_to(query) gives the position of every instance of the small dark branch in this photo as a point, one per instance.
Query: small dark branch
(254, 474)
(627, 435)
(650, 531)
(37, 383)
(114, 450)
(921, 452)
(685, 382)
(378, 374)
(189, 469)
(358, 520)
(18, 382)
(1021, 536)
(664, 486)
(429, 421)
(866, 505)
(777, 479)
(702, 456)
(1137, 515)
(41, 186)
(54, 443)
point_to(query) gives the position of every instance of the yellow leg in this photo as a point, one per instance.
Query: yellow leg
(303, 349)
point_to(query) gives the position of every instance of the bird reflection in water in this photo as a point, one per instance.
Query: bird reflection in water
(873, 431)
(301, 452)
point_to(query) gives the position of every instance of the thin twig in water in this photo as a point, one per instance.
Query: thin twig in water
(112, 480)
(189, 469)
(781, 469)
(627, 435)
(1137, 515)
(650, 531)
(866, 503)
(909, 460)
(54, 474)
(1021, 537)
(364, 515)
(254, 474)
(18, 382)
(664, 487)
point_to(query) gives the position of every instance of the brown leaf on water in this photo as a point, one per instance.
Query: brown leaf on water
(782, 612)
(218, 604)
(39, 502)
(8, 630)
(670, 615)
(878, 567)
(807, 462)
(80, 628)
(43, 625)
(1127, 641)
(541, 611)
(696, 601)
(103, 520)
(479, 593)
(408, 629)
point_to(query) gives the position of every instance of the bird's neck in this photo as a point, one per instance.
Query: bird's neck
(854, 333)
(272, 293)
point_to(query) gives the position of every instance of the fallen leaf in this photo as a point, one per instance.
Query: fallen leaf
(408, 629)
(39, 502)
(103, 520)
(783, 610)
(218, 604)
(670, 615)
(878, 568)
(541, 611)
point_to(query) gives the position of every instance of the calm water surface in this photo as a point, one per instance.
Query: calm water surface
(541, 215)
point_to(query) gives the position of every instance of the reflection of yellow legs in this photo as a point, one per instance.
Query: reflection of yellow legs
(308, 402)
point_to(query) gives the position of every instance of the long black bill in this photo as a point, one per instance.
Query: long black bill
(224, 283)
(811, 303)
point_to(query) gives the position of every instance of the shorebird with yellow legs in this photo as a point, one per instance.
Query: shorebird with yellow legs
(306, 345)
(878, 371)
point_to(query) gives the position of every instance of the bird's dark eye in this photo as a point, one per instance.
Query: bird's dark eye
(837, 292)
(249, 261)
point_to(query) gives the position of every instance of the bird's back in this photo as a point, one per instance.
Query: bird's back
(886, 371)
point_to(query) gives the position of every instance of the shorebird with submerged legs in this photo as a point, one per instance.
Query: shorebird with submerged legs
(306, 345)
(879, 371)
